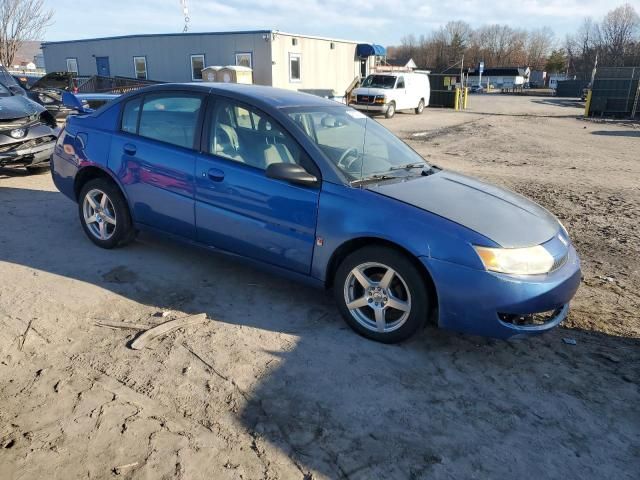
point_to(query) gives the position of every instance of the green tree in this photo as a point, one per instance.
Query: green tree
(557, 61)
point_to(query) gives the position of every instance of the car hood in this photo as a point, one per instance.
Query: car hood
(503, 216)
(372, 91)
(18, 106)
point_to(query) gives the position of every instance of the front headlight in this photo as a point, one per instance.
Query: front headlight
(516, 261)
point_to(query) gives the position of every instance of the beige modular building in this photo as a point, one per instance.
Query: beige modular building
(324, 66)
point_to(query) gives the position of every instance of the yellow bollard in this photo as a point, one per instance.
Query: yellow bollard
(456, 105)
(466, 96)
(587, 105)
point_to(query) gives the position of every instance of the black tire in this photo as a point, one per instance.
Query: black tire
(124, 231)
(406, 272)
(36, 169)
(420, 108)
(391, 110)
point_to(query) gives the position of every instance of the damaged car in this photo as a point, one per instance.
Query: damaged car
(28, 131)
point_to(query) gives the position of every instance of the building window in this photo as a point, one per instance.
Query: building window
(197, 64)
(332, 46)
(294, 41)
(72, 65)
(140, 67)
(244, 59)
(294, 67)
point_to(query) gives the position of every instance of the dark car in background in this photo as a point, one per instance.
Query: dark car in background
(48, 89)
(28, 131)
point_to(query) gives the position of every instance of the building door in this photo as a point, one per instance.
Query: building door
(102, 66)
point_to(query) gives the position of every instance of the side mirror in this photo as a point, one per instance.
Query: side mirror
(290, 172)
(72, 102)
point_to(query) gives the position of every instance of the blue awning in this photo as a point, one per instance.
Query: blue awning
(364, 50)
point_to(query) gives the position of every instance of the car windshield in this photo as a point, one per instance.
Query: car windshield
(379, 81)
(358, 145)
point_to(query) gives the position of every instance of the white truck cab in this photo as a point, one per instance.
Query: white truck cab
(389, 92)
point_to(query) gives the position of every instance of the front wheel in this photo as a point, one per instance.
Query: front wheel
(391, 110)
(420, 108)
(381, 294)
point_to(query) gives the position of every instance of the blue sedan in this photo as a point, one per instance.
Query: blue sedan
(320, 192)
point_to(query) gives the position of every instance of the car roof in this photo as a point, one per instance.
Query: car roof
(253, 94)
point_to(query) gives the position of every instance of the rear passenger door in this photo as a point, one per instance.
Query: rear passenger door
(239, 209)
(153, 156)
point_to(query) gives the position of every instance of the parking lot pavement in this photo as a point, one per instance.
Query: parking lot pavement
(276, 386)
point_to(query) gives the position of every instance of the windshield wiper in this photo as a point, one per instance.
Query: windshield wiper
(409, 166)
(376, 176)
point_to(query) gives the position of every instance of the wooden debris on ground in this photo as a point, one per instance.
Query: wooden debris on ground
(148, 335)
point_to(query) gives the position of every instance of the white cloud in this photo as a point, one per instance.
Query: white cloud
(380, 21)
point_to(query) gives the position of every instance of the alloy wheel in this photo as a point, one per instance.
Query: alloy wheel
(377, 297)
(99, 214)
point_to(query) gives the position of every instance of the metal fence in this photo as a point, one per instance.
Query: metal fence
(616, 92)
(100, 84)
(571, 88)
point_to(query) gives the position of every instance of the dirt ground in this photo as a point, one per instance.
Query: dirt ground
(275, 386)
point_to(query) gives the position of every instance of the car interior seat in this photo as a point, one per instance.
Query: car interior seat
(273, 151)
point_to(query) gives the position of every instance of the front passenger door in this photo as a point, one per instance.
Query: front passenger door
(239, 209)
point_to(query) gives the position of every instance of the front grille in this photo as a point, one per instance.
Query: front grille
(529, 319)
(365, 98)
(34, 142)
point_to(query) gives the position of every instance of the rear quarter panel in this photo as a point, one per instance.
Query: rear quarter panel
(84, 142)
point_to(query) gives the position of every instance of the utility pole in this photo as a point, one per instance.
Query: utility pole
(185, 12)
(593, 72)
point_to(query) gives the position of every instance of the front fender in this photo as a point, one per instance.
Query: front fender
(348, 213)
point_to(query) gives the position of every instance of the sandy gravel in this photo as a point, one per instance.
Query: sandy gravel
(275, 386)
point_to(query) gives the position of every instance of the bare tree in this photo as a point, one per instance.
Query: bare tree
(538, 45)
(619, 28)
(20, 21)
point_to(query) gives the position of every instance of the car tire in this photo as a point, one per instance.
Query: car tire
(391, 110)
(420, 108)
(387, 310)
(106, 221)
(36, 169)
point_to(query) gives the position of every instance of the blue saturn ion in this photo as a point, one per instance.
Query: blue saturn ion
(322, 193)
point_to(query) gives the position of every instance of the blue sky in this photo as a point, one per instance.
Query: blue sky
(379, 21)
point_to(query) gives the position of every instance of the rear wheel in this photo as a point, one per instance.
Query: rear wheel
(391, 110)
(104, 214)
(381, 294)
(420, 108)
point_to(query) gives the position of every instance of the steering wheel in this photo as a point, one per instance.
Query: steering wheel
(349, 152)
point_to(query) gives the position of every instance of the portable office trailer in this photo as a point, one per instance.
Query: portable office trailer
(285, 60)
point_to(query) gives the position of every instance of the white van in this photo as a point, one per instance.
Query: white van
(388, 92)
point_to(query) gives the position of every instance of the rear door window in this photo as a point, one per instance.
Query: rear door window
(169, 117)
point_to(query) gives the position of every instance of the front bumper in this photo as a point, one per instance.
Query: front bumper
(368, 107)
(35, 149)
(479, 302)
